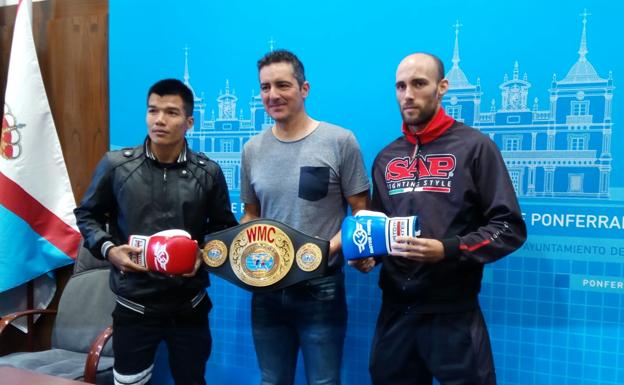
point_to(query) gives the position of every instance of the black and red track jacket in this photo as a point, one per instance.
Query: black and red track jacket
(454, 178)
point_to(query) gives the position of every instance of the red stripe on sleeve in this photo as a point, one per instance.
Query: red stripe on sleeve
(474, 247)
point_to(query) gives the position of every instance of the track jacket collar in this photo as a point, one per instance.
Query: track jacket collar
(434, 129)
(150, 154)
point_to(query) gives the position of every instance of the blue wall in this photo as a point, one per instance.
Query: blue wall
(554, 308)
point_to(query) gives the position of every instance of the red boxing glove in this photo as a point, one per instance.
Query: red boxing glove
(170, 252)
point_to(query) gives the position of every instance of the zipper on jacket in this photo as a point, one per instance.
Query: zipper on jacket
(164, 200)
(414, 158)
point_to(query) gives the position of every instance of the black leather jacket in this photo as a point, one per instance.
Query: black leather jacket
(132, 193)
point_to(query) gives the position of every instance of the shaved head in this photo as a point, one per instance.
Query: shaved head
(420, 86)
(424, 56)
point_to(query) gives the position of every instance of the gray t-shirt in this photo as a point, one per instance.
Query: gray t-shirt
(304, 183)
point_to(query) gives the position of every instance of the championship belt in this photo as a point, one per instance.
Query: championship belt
(264, 255)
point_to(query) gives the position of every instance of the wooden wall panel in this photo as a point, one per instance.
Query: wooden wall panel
(80, 92)
(72, 47)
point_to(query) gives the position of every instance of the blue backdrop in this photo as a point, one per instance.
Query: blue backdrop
(538, 77)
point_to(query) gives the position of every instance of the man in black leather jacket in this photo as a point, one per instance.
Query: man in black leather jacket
(159, 185)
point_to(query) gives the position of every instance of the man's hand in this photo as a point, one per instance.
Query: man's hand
(363, 264)
(335, 244)
(119, 256)
(198, 263)
(418, 249)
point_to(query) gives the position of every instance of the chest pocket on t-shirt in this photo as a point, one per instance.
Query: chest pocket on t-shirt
(313, 182)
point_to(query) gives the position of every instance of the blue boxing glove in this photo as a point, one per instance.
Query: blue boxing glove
(371, 233)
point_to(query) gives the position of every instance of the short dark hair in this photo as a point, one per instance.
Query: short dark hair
(284, 56)
(174, 87)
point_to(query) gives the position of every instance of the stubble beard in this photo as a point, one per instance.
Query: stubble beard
(423, 117)
(425, 113)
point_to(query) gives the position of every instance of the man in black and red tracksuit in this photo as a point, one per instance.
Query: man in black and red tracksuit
(454, 179)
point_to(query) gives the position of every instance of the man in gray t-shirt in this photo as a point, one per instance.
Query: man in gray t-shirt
(304, 183)
(304, 173)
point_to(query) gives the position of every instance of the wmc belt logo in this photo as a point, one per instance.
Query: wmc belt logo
(430, 173)
(259, 261)
(261, 255)
(10, 137)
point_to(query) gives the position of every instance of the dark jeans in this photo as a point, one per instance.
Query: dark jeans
(412, 349)
(186, 334)
(311, 316)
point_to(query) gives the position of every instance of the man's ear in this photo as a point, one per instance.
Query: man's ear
(190, 121)
(305, 89)
(443, 87)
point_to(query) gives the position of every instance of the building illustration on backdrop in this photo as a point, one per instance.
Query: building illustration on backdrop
(562, 151)
(223, 134)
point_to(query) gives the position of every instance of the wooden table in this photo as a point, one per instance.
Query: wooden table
(15, 376)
